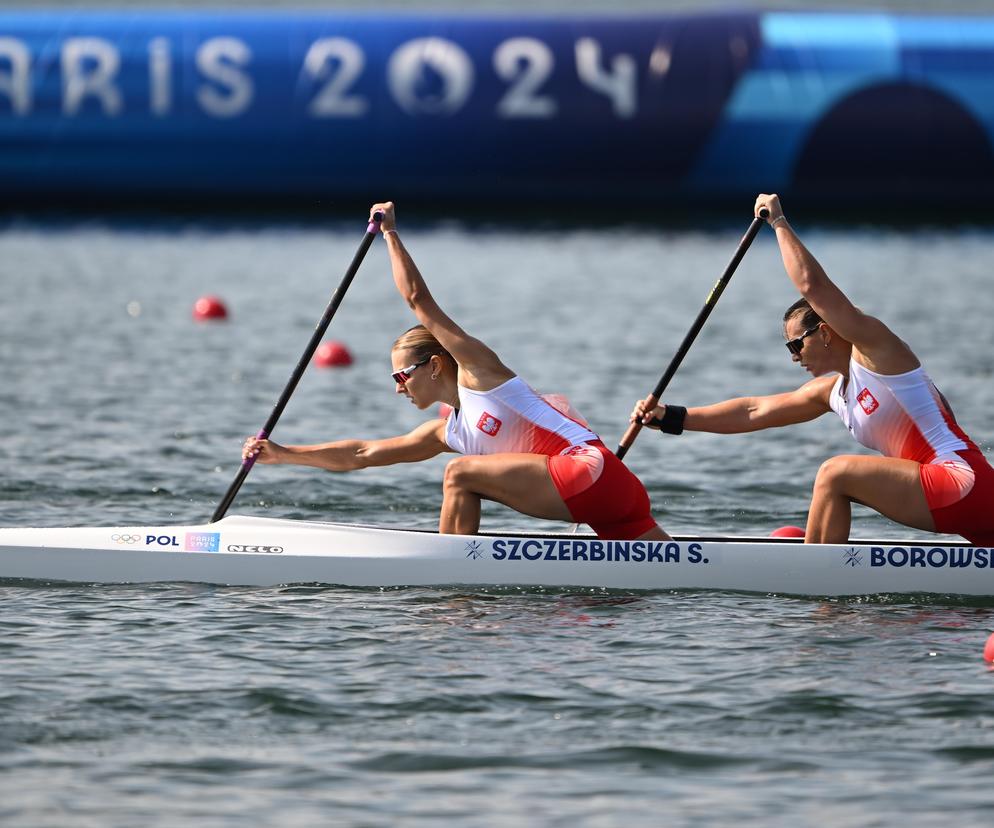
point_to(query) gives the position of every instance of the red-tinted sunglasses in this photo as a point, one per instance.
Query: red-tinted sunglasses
(404, 374)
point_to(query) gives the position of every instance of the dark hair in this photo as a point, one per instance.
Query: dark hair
(802, 308)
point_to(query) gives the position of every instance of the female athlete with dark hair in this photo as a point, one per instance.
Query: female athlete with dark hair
(931, 476)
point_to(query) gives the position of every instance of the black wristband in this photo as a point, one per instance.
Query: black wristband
(672, 420)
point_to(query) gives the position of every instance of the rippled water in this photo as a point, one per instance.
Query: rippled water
(310, 705)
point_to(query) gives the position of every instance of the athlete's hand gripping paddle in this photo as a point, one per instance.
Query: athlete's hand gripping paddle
(712, 300)
(371, 230)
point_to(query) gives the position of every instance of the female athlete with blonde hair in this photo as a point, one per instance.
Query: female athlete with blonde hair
(518, 448)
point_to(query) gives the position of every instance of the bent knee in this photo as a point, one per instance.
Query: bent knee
(833, 473)
(458, 473)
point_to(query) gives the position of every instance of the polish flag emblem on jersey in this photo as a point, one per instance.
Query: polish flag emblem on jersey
(867, 401)
(489, 424)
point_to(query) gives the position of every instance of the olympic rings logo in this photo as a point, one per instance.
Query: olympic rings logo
(126, 538)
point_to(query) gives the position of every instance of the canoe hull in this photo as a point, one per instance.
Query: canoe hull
(266, 552)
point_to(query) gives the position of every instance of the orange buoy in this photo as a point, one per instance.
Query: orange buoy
(444, 410)
(332, 355)
(209, 307)
(787, 532)
(989, 648)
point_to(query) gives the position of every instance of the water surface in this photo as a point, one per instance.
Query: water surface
(307, 705)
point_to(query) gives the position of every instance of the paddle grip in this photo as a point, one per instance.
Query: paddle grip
(633, 430)
(248, 462)
(374, 222)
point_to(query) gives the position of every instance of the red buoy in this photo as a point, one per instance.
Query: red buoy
(989, 648)
(332, 355)
(787, 532)
(209, 307)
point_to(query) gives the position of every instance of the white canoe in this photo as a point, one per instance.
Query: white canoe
(265, 551)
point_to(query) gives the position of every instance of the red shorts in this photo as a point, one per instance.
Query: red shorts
(599, 490)
(960, 495)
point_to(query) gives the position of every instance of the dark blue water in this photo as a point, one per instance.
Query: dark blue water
(155, 705)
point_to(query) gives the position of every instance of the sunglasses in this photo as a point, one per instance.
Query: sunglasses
(402, 376)
(795, 345)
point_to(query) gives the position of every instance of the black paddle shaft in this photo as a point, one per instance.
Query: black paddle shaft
(688, 340)
(305, 359)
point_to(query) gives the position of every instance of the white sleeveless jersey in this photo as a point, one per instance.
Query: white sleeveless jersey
(900, 415)
(513, 418)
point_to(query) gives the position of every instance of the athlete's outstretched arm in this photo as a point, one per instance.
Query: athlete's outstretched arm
(423, 443)
(742, 414)
(480, 368)
(870, 336)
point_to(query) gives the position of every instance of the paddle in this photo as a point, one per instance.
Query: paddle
(298, 372)
(688, 340)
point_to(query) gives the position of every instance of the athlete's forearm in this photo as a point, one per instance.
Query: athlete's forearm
(729, 417)
(406, 276)
(803, 269)
(340, 456)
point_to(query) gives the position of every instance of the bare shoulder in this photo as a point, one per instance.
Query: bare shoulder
(819, 390)
(433, 430)
(878, 348)
(884, 352)
(484, 375)
(805, 403)
(426, 440)
(429, 434)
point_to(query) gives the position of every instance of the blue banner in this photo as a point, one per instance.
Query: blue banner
(584, 108)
